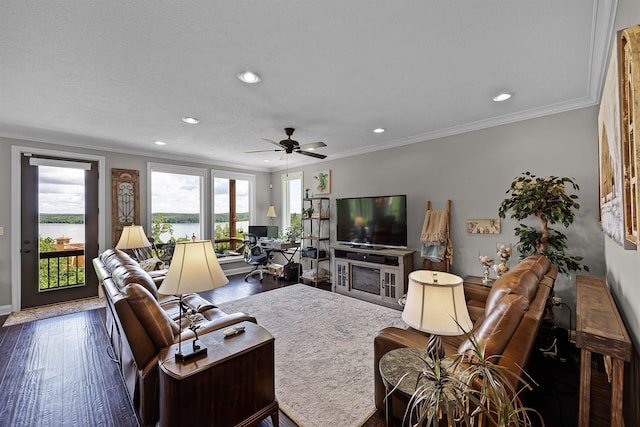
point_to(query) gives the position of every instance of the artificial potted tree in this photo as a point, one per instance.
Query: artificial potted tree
(548, 200)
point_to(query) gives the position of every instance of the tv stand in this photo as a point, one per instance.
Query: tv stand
(374, 274)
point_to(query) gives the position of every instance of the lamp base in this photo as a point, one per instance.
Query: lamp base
(195, 350)
(435, 349)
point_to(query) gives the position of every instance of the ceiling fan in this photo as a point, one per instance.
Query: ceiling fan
(289, 146)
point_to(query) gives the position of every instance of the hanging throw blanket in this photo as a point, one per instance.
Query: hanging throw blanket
(436, 245)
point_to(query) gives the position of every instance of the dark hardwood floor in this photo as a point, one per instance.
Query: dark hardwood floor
(57, 372)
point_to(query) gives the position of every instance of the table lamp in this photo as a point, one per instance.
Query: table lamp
(435, 304)
(271, 213)
(133, 238)
(194, 268)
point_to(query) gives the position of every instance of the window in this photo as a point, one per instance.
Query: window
(176, 202)
(233, 209)
(292, 202)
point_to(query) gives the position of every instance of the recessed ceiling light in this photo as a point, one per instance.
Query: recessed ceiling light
(311, 149)
(249, 77)
(190, 120)
(159, 142)
(502, 97)
(378, 130)
(266, 160)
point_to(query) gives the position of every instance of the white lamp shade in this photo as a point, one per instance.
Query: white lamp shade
(436, 307)
(271, 212)
(194, 268)
(133, 237)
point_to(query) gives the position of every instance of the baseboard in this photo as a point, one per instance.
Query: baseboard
(5, 309)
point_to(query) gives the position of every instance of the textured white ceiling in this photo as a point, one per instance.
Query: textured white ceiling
(118, 75)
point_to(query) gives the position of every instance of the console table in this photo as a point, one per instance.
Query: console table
(233, 385)
(379, 276)
(599, 329)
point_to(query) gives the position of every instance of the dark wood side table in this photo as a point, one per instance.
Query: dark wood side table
(599, 329)
(476, 280)
(233, 385)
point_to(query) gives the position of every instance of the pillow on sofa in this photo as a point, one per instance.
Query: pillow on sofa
(127, 274)
(152, 317)
(496, 329)
(151, 264)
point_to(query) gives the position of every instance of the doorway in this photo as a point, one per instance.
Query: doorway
(59, 230)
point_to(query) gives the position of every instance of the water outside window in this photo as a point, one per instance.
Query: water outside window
(231, 213)
(61, 227)
(175, 206)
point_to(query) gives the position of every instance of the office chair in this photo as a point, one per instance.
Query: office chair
(255, 255)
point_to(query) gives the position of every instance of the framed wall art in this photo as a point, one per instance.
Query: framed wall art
(483, 226)
(617, 147)
(322, 182)
(125, 200)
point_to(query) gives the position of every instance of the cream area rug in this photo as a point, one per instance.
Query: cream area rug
(53, 310)
(323, 351)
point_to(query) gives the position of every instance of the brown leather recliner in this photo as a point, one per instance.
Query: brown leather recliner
(507, 317)
(140, 323)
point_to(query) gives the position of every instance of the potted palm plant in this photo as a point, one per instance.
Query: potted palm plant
(469, 390)
(548, 200)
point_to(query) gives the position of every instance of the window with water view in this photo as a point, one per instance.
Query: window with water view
(61, 208)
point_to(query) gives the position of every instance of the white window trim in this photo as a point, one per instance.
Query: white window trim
(181, 170)
(285, 208)
(237, 176)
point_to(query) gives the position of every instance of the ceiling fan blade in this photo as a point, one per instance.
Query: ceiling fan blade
(261, 151)
(272, 141)
(313, 145)
(284, 156)
(310, 154)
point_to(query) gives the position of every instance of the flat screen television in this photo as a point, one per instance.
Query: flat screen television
(372, 221)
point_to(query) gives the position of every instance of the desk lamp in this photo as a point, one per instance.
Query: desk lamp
(194, 268)
(271, 213)
(435, 304)
(133, 238)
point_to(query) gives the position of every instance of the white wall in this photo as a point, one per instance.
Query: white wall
(475, 170)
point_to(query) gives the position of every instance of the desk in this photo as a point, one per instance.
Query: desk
(278, 244)
(280, 247)
(599, 329)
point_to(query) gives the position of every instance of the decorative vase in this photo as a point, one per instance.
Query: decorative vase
(486, 262)
(503, 251)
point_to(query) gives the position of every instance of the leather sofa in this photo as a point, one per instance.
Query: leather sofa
(506, 316)
(140, 323)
